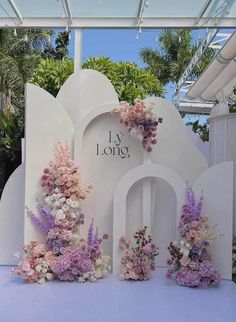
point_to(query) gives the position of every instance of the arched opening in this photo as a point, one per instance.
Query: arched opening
(164, 198)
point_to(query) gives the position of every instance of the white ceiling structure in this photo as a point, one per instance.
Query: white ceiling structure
(117, 14)
(219, 79)
(138, 14)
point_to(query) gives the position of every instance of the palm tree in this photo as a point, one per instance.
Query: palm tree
(19, 57)
(176, 51)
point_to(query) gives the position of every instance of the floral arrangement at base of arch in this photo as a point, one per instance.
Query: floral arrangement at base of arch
(138, 260)
(140, 121)
(66, 255)
(190, 259)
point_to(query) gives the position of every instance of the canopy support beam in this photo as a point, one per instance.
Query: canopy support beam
(16, 10)
(77, 49)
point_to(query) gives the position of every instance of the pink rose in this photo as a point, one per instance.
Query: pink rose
(194, 224)
(25, 265)
(185, 261)
(192, 233)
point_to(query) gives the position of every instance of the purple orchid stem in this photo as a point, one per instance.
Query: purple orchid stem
(35, 219)
(90, 234)
(199, 206)
(95, 240)
(46, 215)
(190, 201)
(80, 220)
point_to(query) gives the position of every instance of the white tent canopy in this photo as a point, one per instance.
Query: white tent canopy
(117, 14)
(219, 79)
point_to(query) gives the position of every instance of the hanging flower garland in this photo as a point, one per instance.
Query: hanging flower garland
(65, 255)
(190, 258)
(140, 121)
(138, 261)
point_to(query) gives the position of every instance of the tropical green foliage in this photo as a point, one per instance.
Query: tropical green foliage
(51, 74)
(201, 129)
(129, 81)
(19, 57)
(60, 50)
(176, 51)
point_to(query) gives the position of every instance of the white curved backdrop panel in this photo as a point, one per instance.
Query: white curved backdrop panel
(217, 186)
(83, 91)
(12, 216)
(105, 151)
(120, 198)
(46, 123)
(174, 148)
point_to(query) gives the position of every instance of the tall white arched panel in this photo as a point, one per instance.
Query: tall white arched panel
(217, 186)
(120, 198)
(46, 123)
(222, 132)
(105, 151)
(12, 216)
(174, 147)
(84, 90)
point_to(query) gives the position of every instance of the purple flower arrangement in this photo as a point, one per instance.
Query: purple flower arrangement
(141, 122)
(66, 255)
(190, 259)
(138, 261)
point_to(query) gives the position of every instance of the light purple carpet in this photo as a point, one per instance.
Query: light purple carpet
(111, 300)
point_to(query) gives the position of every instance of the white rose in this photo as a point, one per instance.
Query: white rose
(42, 280)
(38, 268)
(65, 208)
(186, 253)
(68, 202)
(57, 204)
(133, 132)
(49, 276)
(98, 274)
(92, 278)
(73, 215)
(48, 200)
(98, 261)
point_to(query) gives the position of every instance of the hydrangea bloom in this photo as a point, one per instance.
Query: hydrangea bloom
(141, 122)
(190, 258)
(138, 261)
(65, 256)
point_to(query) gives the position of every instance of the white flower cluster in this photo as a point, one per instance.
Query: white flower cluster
(44, 273)
(101, 268)
(184, 247)
(62, 207)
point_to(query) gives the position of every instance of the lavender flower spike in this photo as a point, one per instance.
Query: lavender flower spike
(90, 234)
(46, 215)
(35, 219)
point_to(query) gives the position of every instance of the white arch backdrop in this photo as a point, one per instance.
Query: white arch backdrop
(84, 100)
(120, 196)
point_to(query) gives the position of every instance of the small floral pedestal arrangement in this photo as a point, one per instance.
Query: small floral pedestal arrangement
(234, 259)
(140, 121)
(190, 258)
(138, 261)
(65, 256)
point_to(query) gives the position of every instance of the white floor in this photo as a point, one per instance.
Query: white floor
(111, 300)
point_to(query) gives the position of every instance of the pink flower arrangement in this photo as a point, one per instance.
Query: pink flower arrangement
(35, 265)
(66, 256)
(138, 261)
(141, 122)
(190, 258)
